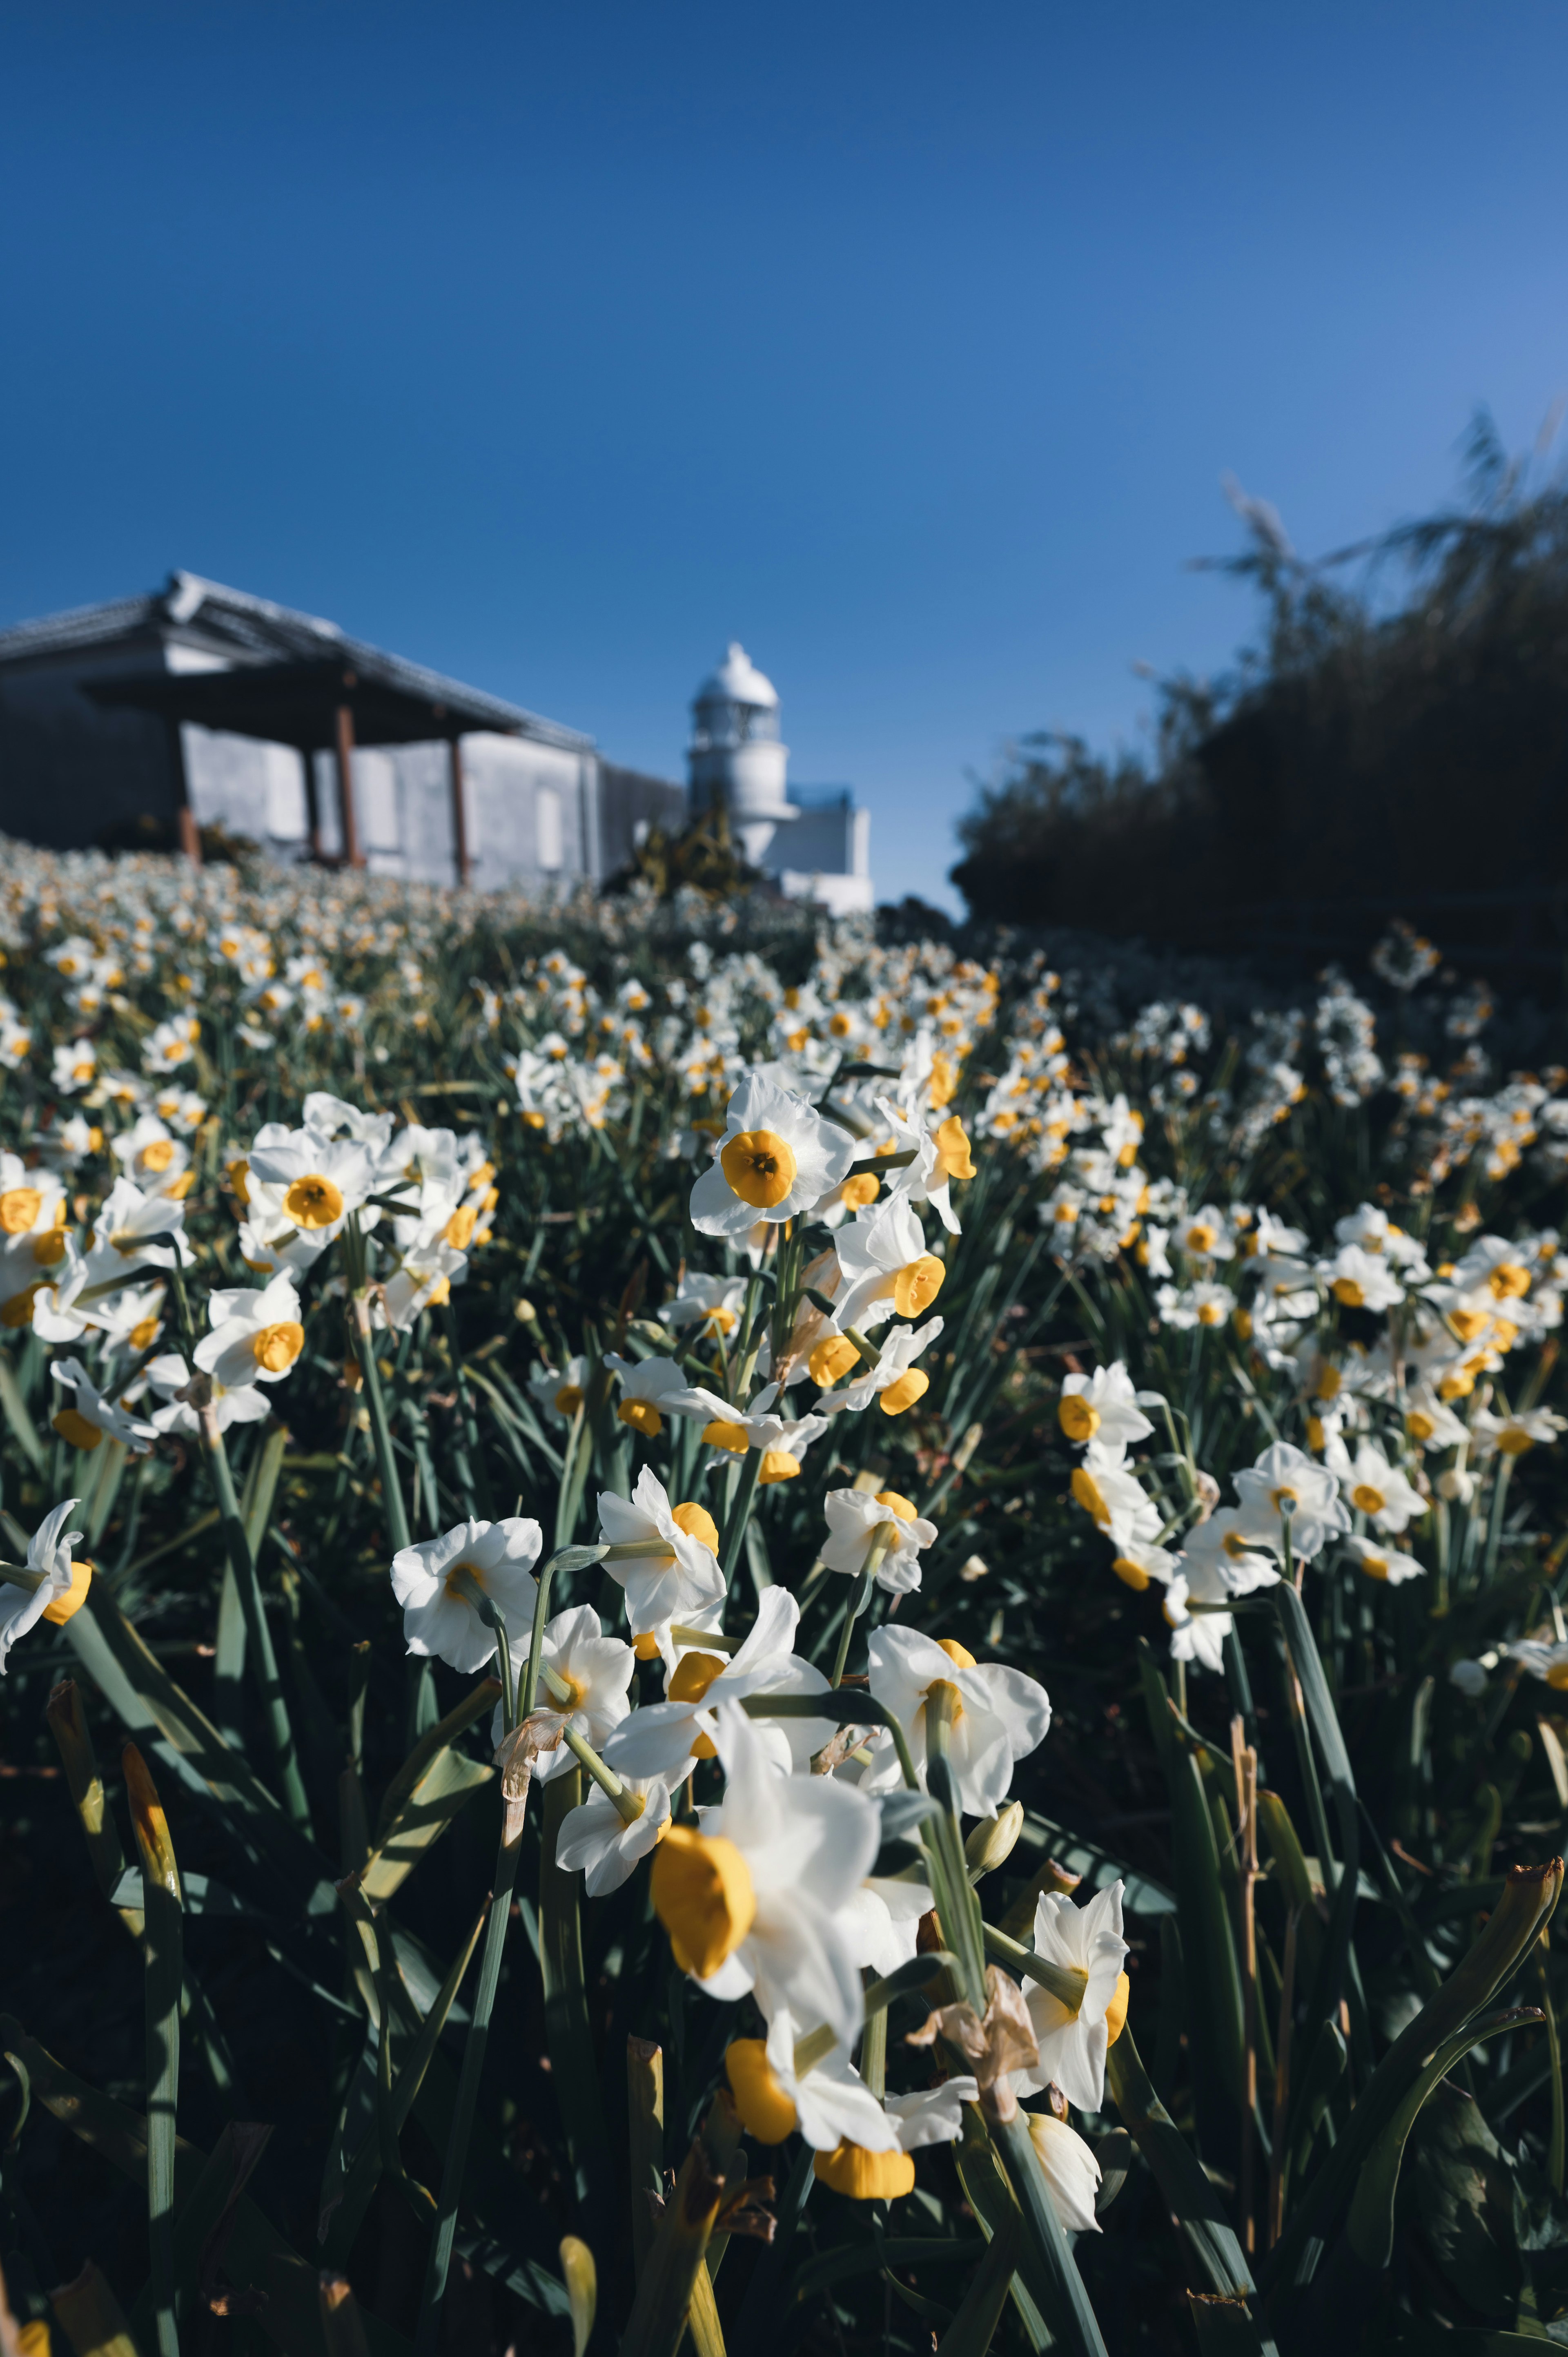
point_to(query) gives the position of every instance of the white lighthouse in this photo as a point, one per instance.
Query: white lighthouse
(735, 757)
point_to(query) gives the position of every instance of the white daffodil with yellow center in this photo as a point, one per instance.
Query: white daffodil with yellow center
(90, 1418)
(1285, 1487)
(311, 1181)
(438, 1582)
(122, 1234)
(51, 1587)
(657, 1738)
(941, 1155)
(776, 1158)
(674, 1575)
(646, 1389)
(1382, 1562)
(605, 1845)
(1103, 1407)
(732, 1430)
(1432, 1423)
(75, 1067)
(854, 1519)
(1087, 1943)
(149, 1152)
(583, 1682)
(1359, 1279)
(1114, 1500)
(423, 1280)
(1198, 1636)
(827, 2103)
(557, 1392)
(996, 1716)
(32, 1201)
(1513, 1434)
(758, 1898)
(885, 1266)
(1381, 1492)
(256, 1334)
(1225, 1547)
(712, 1304)
(893, 1380)
(1205, 1235)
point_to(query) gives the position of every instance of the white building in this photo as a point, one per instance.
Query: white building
(816, 847)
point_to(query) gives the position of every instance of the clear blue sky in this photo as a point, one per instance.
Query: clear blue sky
(555, 346)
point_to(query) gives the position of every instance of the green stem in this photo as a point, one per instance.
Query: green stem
(242, 1563)
(428, 2333)
(740, 1514)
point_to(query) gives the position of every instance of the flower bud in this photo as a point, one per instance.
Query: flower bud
(992, 1841)
(1457, 1486)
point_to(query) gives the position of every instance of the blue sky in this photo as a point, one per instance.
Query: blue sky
(908, 344)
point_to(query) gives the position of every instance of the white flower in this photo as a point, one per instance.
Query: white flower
(596, 1841)
(169, 1376)
(1205, 1235)
(1230, 1567)
(659, 1736)
(893, 1382)
(1515, 1433)
(171, 1043)
(49, 1551)
(732, 1430)
(74, 1067)
(941, 1155)
(777, 1158)
(1070, 2171)
(1103, 1407)
(256, 1334)
(1073, 2046)
(885, 1266)
(1197, 1636)
(759, 1898)
(710, 1303)
(1379, 1490)
(587, 1687)
(127, 1220)
(887, 1915)
(90, 1416)
(931, 2114)
(854, 1516)
(1004, 1717)
(558, 1391)
(1286, 1475)
(1360, 1280)
(423, 1280)
(308, 1180)
(684, 1579)
(1115, 1502)
(648, 1386)
(1381, 1562)
(439, 1617)
(832, 2102)
(1183, 1307)
(1432, 1423)
(149, 1152)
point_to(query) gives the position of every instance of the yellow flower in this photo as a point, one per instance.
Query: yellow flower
(760, 1167)
(313, 1201)
(703, 1894)
(865, 2176)
(766, 2111)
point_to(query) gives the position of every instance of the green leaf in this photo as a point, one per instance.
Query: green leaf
(446, 1785)
(1370, 2223)
(437, 1739)
(24, 1430)
(1191, 2199)
(1224, 2325)
(974, 2326)
(580, 2279)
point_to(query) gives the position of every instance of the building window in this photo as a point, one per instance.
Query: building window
(547, 821)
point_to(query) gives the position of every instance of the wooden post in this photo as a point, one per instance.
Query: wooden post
(459, 812)
(352, 856)
(312, 804)
(184, 816)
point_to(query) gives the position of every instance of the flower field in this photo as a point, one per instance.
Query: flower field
(718, 1634)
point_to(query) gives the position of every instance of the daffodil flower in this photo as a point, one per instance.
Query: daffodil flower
(776, 1158)
(893, 1380)
(1198, 1636)
(648, 1386)
(783, 1440)
(557, 1392)
(1115, 1502)
(1381, 1492)
(941, 1155)
(310, 1180)
(758, 1898)
(434, 1582)
(657, 1738)
(713, 1303)
(1360, 1280)
(885, 1266)
(827, 2105)
(1513, 1434)
(1073, 2044)
(1285, 1485)
(123, 1231)
(421, 1280)
(1070, 2171)
(886, 1913)
(91, 1417)
(1382, 1562)
(855, 1518)
(676, 1575)
(583, 1682)
(60, 1587)
(1103, 1407)
(170, 1377)
(597, 1842)
(1002, 1714)
(1231, 1565)
(256, 1334)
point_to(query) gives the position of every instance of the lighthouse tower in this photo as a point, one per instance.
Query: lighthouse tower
(736, 757)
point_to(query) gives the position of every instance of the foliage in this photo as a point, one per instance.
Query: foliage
(1370, 751)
